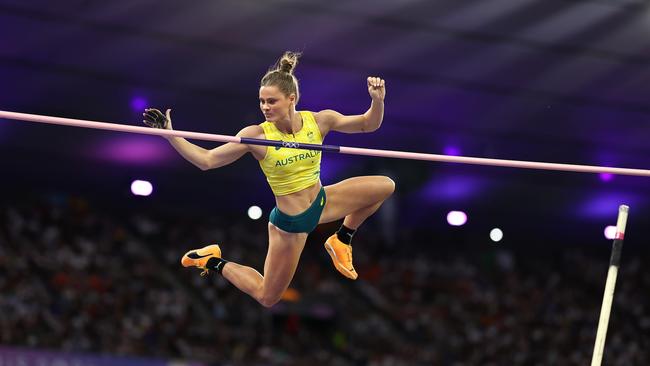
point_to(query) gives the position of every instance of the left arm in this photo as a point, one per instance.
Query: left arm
(329, 120)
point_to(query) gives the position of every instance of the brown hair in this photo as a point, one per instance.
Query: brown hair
(281, 75)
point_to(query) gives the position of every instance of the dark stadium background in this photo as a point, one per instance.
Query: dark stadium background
(86, 268)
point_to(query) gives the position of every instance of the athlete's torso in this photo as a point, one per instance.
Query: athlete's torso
(293, 174)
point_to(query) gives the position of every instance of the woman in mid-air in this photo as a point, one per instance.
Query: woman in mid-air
(294, 176)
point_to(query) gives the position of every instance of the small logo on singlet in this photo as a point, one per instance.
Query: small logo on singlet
(322, 201)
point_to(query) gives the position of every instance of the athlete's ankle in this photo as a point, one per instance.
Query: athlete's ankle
(216, 264)
(345, 234)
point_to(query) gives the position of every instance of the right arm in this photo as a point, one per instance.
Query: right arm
(206, 159)
(220, 156)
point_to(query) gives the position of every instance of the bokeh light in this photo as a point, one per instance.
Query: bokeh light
(496, 234)
(254, 212)
(610, 232)
(141, 188)
(456, 218)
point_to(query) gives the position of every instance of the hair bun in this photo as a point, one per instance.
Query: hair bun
(288, 62)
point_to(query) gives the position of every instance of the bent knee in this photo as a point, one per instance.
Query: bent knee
(388, 185)
(268, 302)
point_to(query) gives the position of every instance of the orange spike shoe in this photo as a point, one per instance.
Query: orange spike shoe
(199, 257)
(341, 254)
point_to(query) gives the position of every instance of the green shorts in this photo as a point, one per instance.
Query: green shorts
(304, 222)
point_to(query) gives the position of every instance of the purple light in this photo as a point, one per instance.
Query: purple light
(456, 218)
(139, 150)
(332, 167)
(606, 159)
(606, 177)
(451, 150)
(610, 232)
(451, 188)
(605, 205)
(141, 188)
(138, 104)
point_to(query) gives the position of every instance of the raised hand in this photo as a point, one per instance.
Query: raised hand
(376, 88)
(156, 119)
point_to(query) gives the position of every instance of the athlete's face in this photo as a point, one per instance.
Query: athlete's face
(274, 104)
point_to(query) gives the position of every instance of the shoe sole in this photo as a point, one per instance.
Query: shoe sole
(339, 267)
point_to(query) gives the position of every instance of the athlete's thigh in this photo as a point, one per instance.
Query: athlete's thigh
(351, 195)
(281, 259)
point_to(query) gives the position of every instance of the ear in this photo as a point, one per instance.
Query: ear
(292, 98)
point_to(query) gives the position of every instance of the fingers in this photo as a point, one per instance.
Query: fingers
(152, 110)
(168, 120)
(150, 123)
(153, 113)
(376, 82)
(154, 118)
(150, 116)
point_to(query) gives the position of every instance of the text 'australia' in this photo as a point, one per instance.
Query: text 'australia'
(296, 158)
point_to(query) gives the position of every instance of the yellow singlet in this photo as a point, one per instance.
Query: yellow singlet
(292, 170)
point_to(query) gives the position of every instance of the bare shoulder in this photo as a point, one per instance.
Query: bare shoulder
(252, 131)
(326, 117)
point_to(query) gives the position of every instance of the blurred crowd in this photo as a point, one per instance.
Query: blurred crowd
(77, 277)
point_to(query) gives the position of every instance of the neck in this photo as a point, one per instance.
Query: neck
(291, 124)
